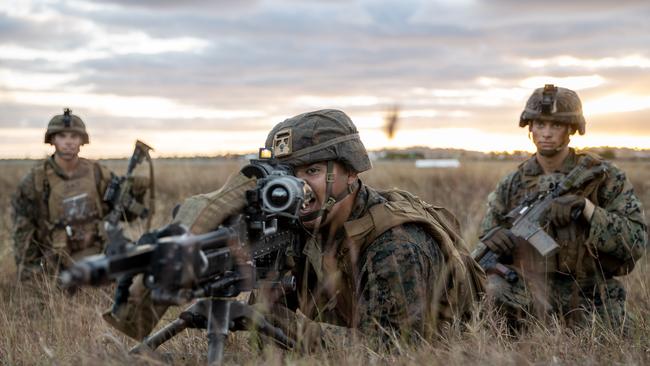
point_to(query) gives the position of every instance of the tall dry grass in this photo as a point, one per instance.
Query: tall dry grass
(42, 325)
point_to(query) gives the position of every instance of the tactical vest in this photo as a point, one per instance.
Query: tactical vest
(465, 279)
(70, 209)
(574, 258)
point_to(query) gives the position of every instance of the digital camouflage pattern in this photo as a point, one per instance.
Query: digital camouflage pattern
(47, 201)
(389, 286)
(581, 276)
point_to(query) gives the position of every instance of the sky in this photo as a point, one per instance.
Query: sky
(203, 77)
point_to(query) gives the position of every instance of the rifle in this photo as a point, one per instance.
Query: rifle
(118, 195)
(215, 267)
(526, 221)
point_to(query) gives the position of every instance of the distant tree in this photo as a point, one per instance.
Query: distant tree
(608, 154)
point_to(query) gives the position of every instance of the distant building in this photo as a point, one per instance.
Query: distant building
(437, 163)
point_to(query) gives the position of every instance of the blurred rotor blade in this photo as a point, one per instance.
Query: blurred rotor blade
(391, 119)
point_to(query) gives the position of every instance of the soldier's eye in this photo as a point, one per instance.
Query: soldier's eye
(312, 170)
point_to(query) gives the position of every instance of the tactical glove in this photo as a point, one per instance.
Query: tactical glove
(500, 240)
(565, 209)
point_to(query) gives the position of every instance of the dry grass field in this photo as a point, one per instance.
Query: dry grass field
(41, 325)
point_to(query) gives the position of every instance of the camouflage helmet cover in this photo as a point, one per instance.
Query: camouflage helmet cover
(321, 135)
(552, 103)
(66, 122)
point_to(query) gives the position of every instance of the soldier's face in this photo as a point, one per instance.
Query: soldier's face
(67, 144)
(315, 176)
(549, 137)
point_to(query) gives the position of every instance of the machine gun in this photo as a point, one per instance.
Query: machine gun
(118, 195)
(214, 267)
(526, 221)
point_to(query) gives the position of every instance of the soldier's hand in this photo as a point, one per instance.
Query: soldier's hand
(500, 240)
(565, 209)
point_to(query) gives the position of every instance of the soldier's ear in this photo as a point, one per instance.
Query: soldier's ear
(352, 176)
(346, 169)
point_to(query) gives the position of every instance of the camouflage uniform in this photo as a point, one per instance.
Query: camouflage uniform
(579, 281)
(392, 282)
(389, 287)
(56, 217)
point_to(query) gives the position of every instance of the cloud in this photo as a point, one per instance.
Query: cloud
(447, 64)
(13, 79)
(614, 103)
(630, 61)
(104, 46)
(127, 106)
(571, 82)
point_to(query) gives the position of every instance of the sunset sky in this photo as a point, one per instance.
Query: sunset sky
(211, 77)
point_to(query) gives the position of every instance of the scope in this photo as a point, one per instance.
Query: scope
(282, 194)
(278, 192)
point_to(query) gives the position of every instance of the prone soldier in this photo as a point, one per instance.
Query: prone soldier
(59, 205)
(371, 263)
(594, 220)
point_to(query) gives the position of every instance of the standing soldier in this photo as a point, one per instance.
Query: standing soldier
(598, 223)
(371, 262)
(59, 205)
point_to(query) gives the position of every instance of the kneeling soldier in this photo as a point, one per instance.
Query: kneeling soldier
(59, 206)
(597, 222)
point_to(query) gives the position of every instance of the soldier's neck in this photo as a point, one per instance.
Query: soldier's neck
(67, 165)
(553, 163)
(343, 213)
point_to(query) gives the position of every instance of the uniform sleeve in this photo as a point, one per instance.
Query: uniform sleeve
(104, 178)
(398, 281)
(139, 187)
(496, 207)
(617, 226)
(27, 251)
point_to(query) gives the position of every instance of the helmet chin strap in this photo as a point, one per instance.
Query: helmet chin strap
(330, 200)
(565, 143)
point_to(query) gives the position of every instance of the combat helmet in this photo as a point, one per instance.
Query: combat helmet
(323, 135)
(552, 103)
(66, 122)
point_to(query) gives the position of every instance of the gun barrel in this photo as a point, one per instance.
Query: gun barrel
(92, 271)
(100, 269)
